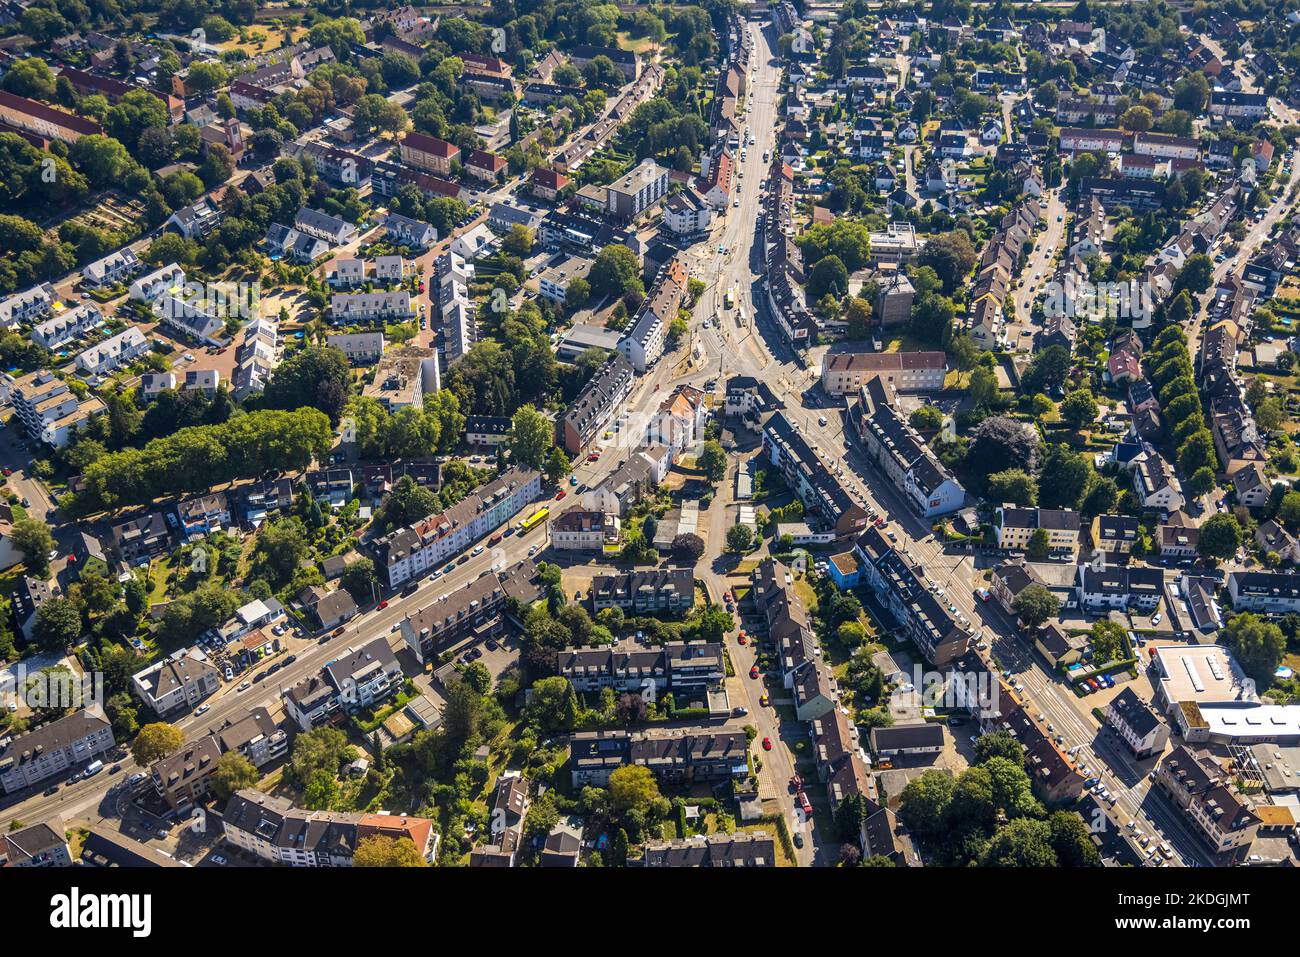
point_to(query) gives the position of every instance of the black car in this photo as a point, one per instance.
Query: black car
(114, 769)
(290, 660)
(52, 789)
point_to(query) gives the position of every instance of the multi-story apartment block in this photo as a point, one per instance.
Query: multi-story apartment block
(404, 376)
(1200, 788)
(182, 778)
(415, 550)
(635, 192)
(658, 590)
(1133, 587)
(429, 153)
(274, 830)
(820, 489)
(844, 373)
(45, 121)
(584, 530)
(1273, 593)
(48, 408)
(896, 449)
(679, 666)
(53, 748)
(478, 609)
(1115, 534)
(901, 589)
(181, 680)
(675, 756)
(596, 404)
(1134, 721)
(1016, 526)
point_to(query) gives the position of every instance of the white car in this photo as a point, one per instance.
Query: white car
(1155, 619)
(202, 709)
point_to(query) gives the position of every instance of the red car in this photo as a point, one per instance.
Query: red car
(726, 596)
(381, 606)
(767, 744)
(593, 457)
(742, 639)
(753, 672)
(559, 495)
(8, 472)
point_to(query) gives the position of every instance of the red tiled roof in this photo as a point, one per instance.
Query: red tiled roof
(431, 144)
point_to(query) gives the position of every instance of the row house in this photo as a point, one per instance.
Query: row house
(115, 351)
(670, 590)
(284, 242)
(112, 269)
(690, 666)
(370, 307)
(338, 166)
(674, 756)
(27, 306)
(67, 326)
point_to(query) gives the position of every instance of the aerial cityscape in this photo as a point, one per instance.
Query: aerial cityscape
(560, 433)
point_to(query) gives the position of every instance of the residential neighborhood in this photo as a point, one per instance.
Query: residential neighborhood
(579, 435)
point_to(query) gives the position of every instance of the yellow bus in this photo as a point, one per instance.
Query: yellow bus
(729, 299)
(532, 521)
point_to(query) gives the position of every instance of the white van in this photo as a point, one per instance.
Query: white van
(93, 768)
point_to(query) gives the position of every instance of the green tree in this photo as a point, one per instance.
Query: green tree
(1039, 546)
(1035, 605)
(379, 850)
(532, 436)
(1258, 645)
(1013, 486)
(234, 772)
(155, 741)
(632, 788)
(34, 540)
(713, 461)
(1220, 536)
(1079, 409)
(360, 580)
(58, 624)
(740, 538)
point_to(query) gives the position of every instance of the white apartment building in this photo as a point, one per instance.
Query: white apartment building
(371, 306)
(112, 269)
(118, 350)
(152, 285)
(26, 306)
(67, 326)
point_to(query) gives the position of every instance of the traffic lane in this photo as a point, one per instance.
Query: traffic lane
(266, 693)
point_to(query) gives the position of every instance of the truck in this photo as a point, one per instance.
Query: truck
(804, 803)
